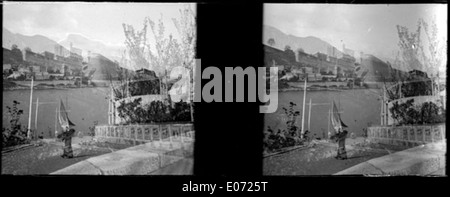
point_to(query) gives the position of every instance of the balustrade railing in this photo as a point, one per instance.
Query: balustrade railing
(407, 135)
(159, 134)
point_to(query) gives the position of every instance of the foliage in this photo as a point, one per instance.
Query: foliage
(156, 111)
(411, 86)
(408, 114)
(144, 87)
(290, 53)
(418, 88)
(181, 111)
(92, 129)
(422, 54)
(15, 134)
(431, 113)
(275, 140)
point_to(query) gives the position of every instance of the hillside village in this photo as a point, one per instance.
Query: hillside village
(294, 64)
(61, 64)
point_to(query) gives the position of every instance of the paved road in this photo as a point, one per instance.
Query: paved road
(43, 159)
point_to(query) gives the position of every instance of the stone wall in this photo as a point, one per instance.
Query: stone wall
(141, 134)
(408, 136)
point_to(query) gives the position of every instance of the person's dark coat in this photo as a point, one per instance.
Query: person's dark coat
(340, 139)
(66, 137)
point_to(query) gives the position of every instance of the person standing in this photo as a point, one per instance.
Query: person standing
(66, 137)
(340, 137)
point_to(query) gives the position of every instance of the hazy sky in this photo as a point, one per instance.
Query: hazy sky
(368, 28)
(97, 21)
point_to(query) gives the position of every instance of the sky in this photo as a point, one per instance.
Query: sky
(367, 28)
(96, 21)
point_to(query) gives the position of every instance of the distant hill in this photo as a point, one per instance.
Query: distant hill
(309, 44)
(86, 44)
(37, 43)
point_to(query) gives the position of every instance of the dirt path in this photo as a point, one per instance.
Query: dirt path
(316, 161)
(42, 160)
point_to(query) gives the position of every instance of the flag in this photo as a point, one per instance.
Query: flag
(336, 118)
(357, 68)
(64, 120)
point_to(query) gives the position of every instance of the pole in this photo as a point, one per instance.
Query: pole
(109, 111)
(328, 122)
(303, 113)
(309, 116)
(31, 106)
(35, 119)
(56, 120)
(383, 113)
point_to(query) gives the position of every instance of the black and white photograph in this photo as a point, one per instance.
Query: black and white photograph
(223, 97)
(98, 88)
(362, 89)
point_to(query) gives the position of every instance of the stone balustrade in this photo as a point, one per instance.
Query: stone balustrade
(408, 136)
(139, 134)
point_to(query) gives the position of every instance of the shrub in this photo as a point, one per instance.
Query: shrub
(157, 111)
(15, 134)
(275, 140)
(408, 114)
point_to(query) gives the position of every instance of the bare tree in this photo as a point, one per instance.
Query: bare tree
(424, 55)
(187, 29)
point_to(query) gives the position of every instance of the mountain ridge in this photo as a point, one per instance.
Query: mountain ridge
(40, 43)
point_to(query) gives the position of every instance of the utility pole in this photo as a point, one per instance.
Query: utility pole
(56, 120)
(31, 106)
(35, 119)
(309, 116)
(304, 102)
(328, 122)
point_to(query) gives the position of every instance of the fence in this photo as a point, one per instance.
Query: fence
(140, 134)
(408, 136)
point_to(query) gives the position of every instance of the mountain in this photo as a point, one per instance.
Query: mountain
(309, 44)
(37, 43)
(86, 44)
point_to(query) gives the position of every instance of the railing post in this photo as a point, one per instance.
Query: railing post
(170, 134)
(160, 137)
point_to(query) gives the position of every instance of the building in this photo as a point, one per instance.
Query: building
(332, 51)
(34, 59)
(74, 50)
(332, 59)
(48, 55)
(347, 62)
(61, 51)
(321, 56)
